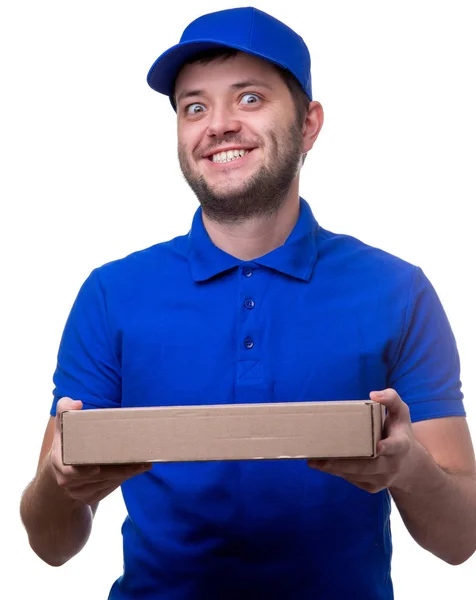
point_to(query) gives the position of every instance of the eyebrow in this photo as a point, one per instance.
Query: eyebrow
(240, 85)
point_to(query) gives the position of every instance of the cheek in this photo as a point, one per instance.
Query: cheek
(189, 140)
(270, 143)
(186, 156)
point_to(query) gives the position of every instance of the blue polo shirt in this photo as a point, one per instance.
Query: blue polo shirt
(323, 317)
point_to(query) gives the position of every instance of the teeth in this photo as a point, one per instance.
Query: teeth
(224, 157)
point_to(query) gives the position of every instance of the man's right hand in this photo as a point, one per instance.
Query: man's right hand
(86, 484)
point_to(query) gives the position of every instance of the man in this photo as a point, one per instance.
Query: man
(258, 303)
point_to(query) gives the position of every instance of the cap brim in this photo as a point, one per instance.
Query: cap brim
(164, 71)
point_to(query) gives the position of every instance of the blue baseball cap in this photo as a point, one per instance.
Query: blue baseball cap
(246, 29)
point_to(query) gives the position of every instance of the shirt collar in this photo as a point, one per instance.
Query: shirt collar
(296, 257)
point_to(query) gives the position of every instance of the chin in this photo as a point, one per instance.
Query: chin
(228, 191)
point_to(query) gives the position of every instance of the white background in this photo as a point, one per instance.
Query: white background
(89, 174)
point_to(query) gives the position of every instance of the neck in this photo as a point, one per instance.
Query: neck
(255, 237)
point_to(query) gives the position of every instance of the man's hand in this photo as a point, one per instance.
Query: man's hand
(394, 451)
(87, 484)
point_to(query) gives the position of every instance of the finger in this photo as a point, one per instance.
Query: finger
(351, 467)
(80, 473)
(123, 471)
(396, 407)
(67, 477)
(92, 493)
(92, 484)
(370, 482)
(75, 476)
(107, 476)
(372, 487)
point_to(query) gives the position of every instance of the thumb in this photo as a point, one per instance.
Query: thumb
(396, 407)
(64, 404)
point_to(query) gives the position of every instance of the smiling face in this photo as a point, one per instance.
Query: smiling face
(239, 142)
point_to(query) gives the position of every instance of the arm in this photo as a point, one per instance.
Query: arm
(430, 471)
(58, 506)
(437, 500)
(57, 526)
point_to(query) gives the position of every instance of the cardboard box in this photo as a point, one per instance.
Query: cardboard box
(222, 432)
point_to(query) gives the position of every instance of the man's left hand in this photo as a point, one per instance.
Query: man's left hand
(394, 450)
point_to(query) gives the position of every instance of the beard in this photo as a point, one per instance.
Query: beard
(263, 193)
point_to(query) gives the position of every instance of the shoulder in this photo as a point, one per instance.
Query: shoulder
(155, 260)
(349, 255)
(143, 272)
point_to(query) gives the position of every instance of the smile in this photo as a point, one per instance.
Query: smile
(228, 156)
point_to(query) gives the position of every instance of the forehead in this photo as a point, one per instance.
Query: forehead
(225, 72)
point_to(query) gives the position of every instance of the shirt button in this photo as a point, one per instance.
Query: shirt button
(249, 303)
(247, 272)
(249, 343)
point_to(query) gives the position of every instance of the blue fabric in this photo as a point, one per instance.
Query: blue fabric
(330, 319)
(246, 29)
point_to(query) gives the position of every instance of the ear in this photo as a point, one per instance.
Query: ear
(312, 125)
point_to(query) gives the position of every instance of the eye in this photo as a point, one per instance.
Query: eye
(194, 109)
(250, 98)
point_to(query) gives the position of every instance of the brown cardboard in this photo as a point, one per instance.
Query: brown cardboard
(222, 432)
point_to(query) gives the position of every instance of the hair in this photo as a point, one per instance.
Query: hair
(299, 96)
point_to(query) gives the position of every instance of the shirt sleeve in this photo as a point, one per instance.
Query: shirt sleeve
(87, 367)
(425, 369)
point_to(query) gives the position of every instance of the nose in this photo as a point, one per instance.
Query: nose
(222, 121)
